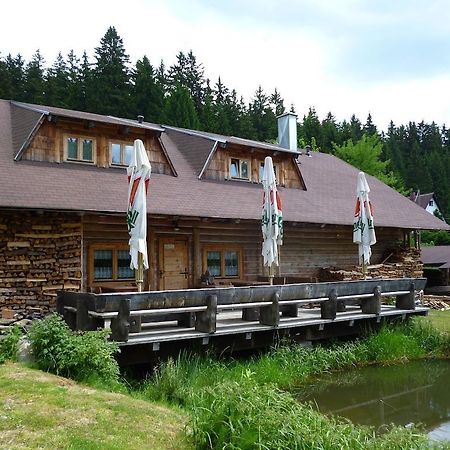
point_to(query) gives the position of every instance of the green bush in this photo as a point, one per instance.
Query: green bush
(87, 356)
(9, 344)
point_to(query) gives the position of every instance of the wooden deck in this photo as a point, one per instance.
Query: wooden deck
(154, 324)
(231, 323)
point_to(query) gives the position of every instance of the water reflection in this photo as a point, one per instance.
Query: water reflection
(413, 393)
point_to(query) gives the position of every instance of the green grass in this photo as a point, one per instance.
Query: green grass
(441, 320)
(40, 410)
(247, 404)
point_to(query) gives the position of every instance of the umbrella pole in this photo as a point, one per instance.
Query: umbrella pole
(271, 274)
(139, 272)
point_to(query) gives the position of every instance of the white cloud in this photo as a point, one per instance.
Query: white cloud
(347, 56)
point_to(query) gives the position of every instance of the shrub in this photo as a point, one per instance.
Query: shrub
(9, 344)
(87, 356)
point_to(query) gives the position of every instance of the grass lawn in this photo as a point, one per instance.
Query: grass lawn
(440, 319)
(40, 410)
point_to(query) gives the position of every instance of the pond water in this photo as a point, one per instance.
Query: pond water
(413, 393)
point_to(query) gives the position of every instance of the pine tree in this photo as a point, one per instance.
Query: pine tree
(179, 109)
(277, 103)
(329, 133)
(369, 128)
(34, 86)
(74, 92)
(147, 95)
(310, 128)
(87, 99)
(57, 84)
(262, 116)
(111, 93)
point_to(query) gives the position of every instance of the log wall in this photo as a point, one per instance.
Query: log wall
(39, 255)
(48, 144)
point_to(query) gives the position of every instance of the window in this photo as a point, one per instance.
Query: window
(239, 169)
(261, 172)
(431, 203)
(121, 153)
(110, 262)
(79, 148)
(222, 262)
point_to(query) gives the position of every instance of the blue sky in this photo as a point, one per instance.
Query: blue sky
(389, 58)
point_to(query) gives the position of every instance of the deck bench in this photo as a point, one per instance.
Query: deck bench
(128, 313)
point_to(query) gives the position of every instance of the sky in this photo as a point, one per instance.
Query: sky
(389, 58)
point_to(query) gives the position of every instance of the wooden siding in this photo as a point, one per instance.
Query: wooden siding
(48, 144)
(288, 174)
(305, 251)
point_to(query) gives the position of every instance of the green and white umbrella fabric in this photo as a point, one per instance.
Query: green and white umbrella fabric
(363, 225)
(272, 216)
(138, 172)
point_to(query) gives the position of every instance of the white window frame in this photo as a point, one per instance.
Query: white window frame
(239, 177)
(79, 158)
(122, 144)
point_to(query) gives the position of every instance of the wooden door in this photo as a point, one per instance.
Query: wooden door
(173, 263)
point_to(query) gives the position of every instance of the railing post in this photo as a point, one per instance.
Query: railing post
(206, 321)
(372, 305)
(328, 308)
(120, 325)
(270, 314)
(406, 301)
(83, 321)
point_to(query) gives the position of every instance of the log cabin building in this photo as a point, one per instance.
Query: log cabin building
(63, 197)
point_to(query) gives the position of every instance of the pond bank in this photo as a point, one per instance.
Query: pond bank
(248, 404)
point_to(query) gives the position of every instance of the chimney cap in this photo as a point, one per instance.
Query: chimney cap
(287, 113)
(140, 118)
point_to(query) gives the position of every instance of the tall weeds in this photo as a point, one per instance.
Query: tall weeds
(245, 404)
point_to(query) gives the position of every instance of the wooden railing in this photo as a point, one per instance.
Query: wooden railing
(198, 308)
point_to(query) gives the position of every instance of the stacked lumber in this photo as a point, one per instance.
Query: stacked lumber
(39, 255)
(400, 262)
(440, 302)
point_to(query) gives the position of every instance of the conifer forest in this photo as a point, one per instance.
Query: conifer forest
(408, 157)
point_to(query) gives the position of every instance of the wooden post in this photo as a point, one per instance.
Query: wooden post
(139, 272)
(372, 305)
(120, 325)
(328, 308)
(197, 258)
(206, 320)
(270, 314)
(406, 301)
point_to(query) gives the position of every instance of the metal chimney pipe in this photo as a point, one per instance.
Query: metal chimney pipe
(140, 118)
(287, 131)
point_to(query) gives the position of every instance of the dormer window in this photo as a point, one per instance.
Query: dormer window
(239, 169)
(79, 148)
(121, 153)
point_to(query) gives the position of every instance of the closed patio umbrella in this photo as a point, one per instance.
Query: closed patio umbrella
(363, 225)
(272, 218)
(138, 172)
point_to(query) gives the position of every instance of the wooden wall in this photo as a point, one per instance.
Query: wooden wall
(39, 255)
(305, 251)
(48, 144)
(287, 170)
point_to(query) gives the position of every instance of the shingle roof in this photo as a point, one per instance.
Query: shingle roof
(439, 254)
(421, 199)
(329, 198)
(87, 116)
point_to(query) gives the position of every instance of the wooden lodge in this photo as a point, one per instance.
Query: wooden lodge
(63, 190)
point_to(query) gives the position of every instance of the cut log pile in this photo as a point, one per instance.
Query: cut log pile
(39, 255)
(441, 302)
(400, 262)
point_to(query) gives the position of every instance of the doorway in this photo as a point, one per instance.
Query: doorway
(173, 263)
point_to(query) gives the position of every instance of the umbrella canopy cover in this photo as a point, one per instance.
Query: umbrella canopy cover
(272, 215)
(138, 172)
(363, 225)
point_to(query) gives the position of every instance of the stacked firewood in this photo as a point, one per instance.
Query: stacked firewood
(441, 302)
(400, 262)
(39, 254)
